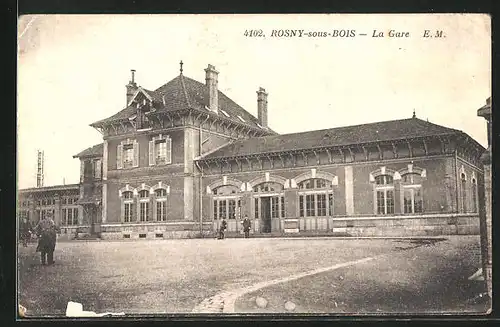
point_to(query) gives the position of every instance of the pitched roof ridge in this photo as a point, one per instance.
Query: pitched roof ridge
(426, 122)
(183, 86)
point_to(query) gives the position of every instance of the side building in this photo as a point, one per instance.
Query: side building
(178, 159)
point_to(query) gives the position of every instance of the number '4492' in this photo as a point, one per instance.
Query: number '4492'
(254, 33)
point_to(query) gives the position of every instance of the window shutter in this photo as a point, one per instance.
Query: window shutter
(136, 154)
(168, 145)
(119, 152)
(152, 152)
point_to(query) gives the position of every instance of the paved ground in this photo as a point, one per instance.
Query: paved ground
(168, 276)
(422, 277)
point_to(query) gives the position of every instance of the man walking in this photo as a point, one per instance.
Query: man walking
(46, 231)
(246, 226)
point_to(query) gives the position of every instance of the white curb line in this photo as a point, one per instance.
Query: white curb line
(224, 301)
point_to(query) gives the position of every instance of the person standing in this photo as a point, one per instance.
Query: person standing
(246, 226)
(24, 230)
(47, 235)
(223, 226)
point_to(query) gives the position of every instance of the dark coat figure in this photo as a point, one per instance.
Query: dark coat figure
(47, 235)
(25, 233)
(246, 227)
(223, 226)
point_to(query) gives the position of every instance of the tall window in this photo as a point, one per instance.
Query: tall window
(128, 205)
(474, 195)
(412, 193)
(226, 202)
(161, 204)
(127, 154)
(97, 168)
(160, 150)
(384, 188)
(275, 207)
(313, 195)
(283, 207)
(69, 216)
(464, 192)
(232, 209)
(144, 205)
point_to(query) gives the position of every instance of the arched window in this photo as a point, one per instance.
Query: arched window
(161, 204)
(384, 191)
(227, 202)
(269, 203)
(128, 205)
(464, 191)
(315, 198)
(144, 205)
(412, 193)
(474, 195)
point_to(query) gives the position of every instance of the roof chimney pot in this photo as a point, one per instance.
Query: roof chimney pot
(131, 87)
(262, 106)
(211, 79)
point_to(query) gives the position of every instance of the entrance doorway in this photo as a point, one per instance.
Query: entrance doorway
(265, 214)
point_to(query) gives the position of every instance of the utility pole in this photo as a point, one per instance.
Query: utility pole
(39, 168)
(485, 204)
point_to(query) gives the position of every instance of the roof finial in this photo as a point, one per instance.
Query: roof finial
(414, 116)
(181, 63)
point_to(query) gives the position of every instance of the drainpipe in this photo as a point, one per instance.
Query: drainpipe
(201, 174)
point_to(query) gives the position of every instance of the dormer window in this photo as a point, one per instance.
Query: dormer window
(160, 150)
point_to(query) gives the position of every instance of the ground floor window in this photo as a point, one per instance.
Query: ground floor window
(385, 201)
(69, 216)
(144, 211)
(127, 212)
(161, 210)
(316, 204)
(412, 200)
(227, 208)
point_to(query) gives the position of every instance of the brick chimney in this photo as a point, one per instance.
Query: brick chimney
(262, 106)
(211, 79)
(131, 87)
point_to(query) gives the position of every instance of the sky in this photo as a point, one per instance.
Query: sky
(72, 71)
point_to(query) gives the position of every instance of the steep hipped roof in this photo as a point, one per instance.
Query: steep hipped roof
(183, 92)
(93, 151)
(339, 136)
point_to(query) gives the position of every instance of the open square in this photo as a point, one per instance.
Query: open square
(176, 276)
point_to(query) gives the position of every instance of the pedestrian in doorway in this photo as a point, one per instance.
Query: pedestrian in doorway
(246, 226)
(223, 226)
(47, 235)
